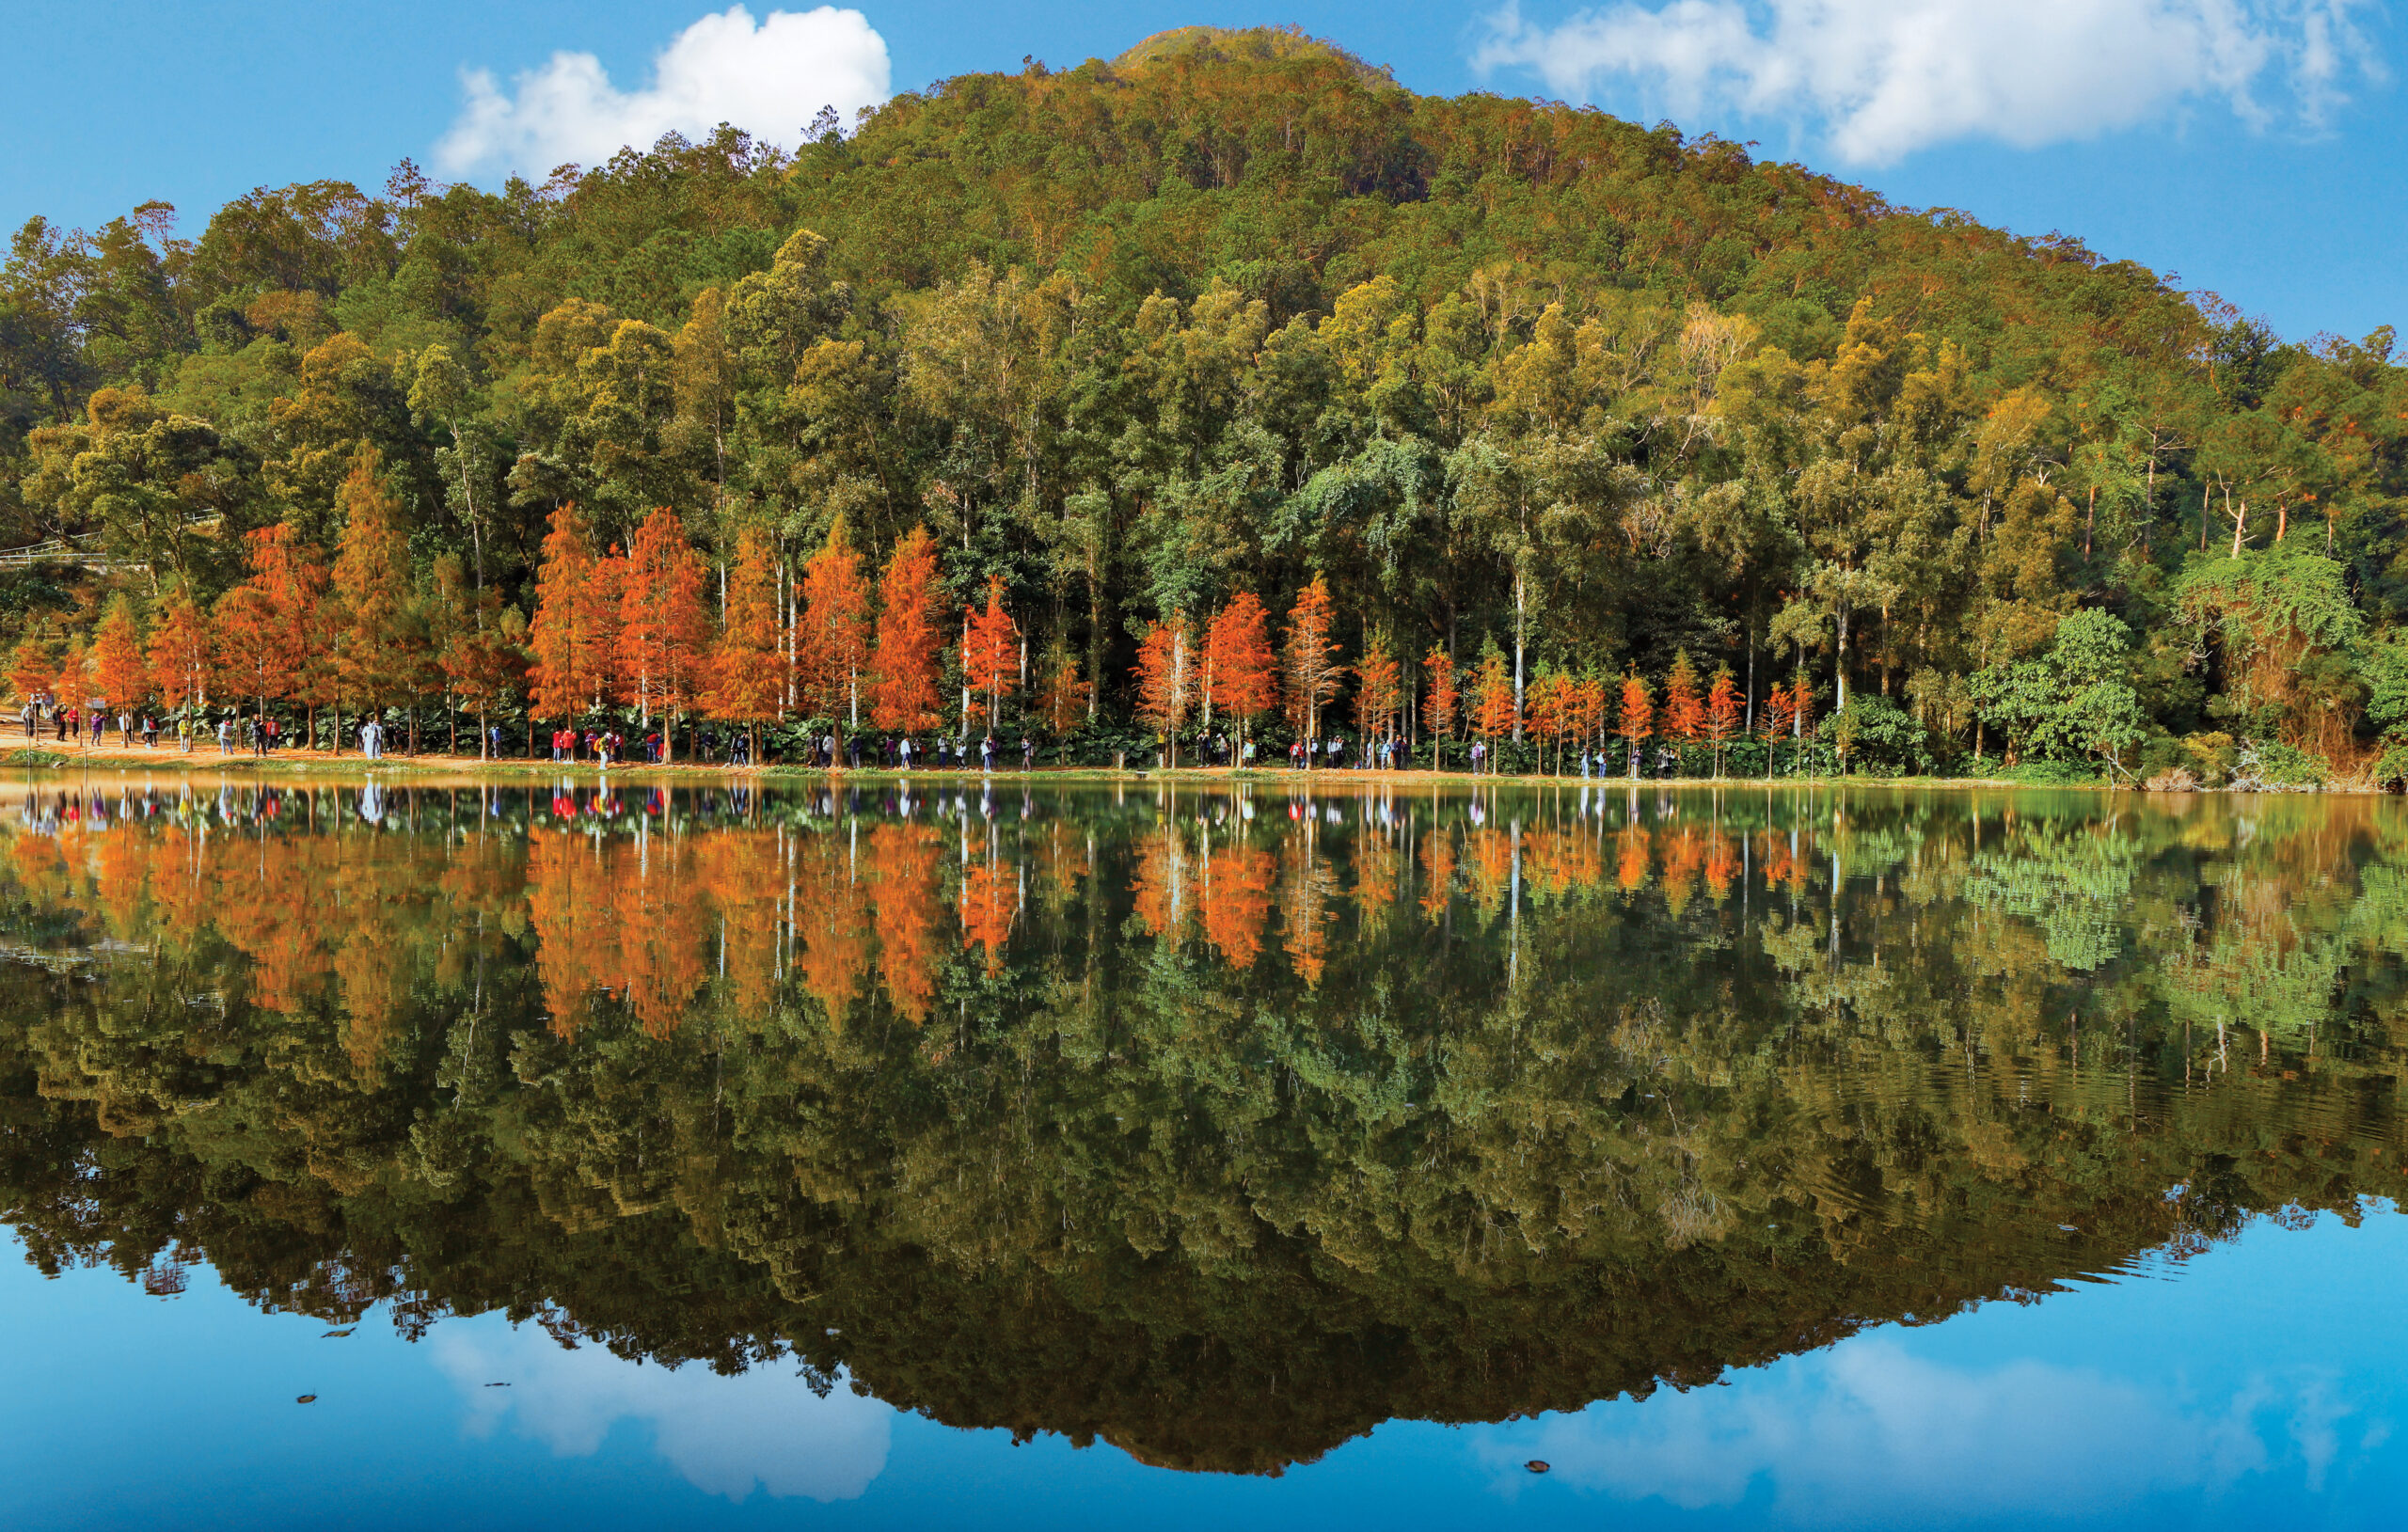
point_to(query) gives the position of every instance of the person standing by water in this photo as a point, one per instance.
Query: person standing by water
(1027, 754)
(371, 740)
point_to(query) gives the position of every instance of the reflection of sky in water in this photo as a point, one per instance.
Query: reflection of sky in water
(2259, 1385)
(723, 1435)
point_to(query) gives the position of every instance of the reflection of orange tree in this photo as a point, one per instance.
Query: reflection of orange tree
(1492, 868)
(1630, 862)
(1061, 862)
(1682, 859)
(903, 860)
(746, 874)
(664, 929)
(1438, 872)
(989, 902)
(1161, 868)
(1305, 934)
(1376, 864)
(1721, 866)
(1557, 861)
(1236, 900)
(566, 903)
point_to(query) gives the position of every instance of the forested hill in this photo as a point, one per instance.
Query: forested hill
(1531, 387)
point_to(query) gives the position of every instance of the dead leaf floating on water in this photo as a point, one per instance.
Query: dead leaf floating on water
(1538, 1465)
(307, 1398)
(337, 1334)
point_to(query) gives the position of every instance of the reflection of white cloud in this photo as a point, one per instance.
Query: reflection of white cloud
(1868, 1432)
(768, 78)
(723, 1434)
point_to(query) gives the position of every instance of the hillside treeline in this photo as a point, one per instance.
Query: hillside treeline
(1535, 389)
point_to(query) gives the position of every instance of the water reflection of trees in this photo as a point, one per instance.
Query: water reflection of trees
(1223, 1125)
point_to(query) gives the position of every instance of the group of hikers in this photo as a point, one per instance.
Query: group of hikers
(261, 733)
(90, 725)
(896, 752)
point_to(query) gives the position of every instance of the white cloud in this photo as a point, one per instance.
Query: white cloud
(768, 79)
(1882, 78)
(1868, 1434)
(725, 1435)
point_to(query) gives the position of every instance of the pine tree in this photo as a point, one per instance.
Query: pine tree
(1241, 671)
(1165, 681)
(747, 683)
(118, 662)
(903, 688)
(1638, 716)
(664, 626)
(372, 579)
(1549, 708)
(1313, 670)
(1722, 710)
(1379, 695)
(31, 670)
(1063, 690)
(835, 631)
(561, 675)
(1683, 712)
(486, 663)
(298, 630)
(1781, 717)
(1492, 713)
(1440, 704)
(990, 653)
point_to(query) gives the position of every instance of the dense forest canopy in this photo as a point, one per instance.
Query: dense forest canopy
(1230, 314)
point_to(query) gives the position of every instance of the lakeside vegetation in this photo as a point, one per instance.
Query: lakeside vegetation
(1227, 386)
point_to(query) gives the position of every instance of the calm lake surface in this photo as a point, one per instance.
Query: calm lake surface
(1007, 1155)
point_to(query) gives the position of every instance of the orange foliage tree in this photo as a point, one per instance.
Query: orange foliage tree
(291, 579)
(1441, 702)
(903, 670)
(1492, 701)
(1590, 710)
(268, 638)
(1313, 670)
(1723, 709)
(1240, 671)
(1379, 696)
(747, 684)
(1062, 690)
(374, 654)
(1684, 712)
(569, 661)
(245, 628)
(30, 668)
(485, 664)
(117, 663)
(836, 630)
(1638, 716)
(1552, 704)
(990, 654)
(1165, 680)
(664, 629)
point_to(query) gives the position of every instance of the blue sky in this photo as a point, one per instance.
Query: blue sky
(2251, 146)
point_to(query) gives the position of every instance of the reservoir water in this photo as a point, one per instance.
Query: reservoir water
(992, 1153)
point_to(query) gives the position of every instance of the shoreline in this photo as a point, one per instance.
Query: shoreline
(286, 764)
